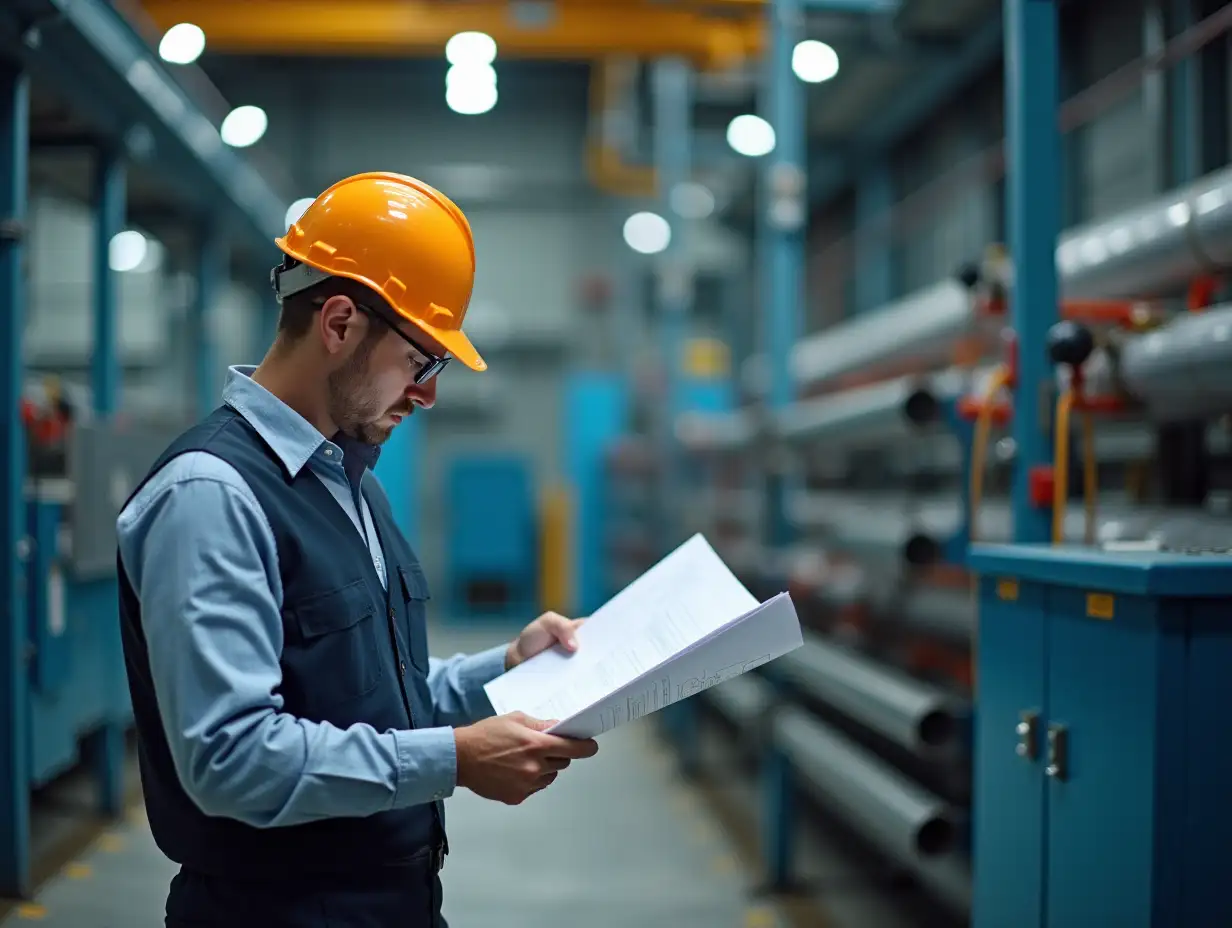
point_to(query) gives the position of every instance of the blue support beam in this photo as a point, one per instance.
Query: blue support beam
(874, 282)
(912, 104)
(781, 229)
(1034, 193)
(213, 271)
(14, 683)
(110, 214)
(673, 106)
(90, 53)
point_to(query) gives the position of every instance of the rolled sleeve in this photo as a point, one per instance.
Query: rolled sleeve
(457, 685)
(203, 560)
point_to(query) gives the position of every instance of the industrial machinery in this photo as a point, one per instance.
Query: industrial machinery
(1096, 651)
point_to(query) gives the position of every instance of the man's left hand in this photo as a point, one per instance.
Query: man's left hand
(547, 630)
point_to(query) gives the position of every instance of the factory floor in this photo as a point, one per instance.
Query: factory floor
(618, 841)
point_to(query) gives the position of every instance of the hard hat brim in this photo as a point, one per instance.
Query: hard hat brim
(455, 341)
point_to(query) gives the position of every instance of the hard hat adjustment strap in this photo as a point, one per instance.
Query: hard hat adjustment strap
(294, 277)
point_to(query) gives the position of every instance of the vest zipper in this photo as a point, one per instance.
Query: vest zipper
(406, 703)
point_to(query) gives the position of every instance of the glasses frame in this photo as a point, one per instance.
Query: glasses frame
(430, 364)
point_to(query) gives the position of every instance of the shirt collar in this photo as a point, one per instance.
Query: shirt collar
(292, 438)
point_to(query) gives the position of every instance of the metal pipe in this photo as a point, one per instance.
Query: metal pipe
(1183, 370)
(923, 325)
(937, 612)
(715, 432)
(915, 715)
(900, 529)
(898, 815)
(874, 415)
(1149, 250)
(744, 701)
(1154, 248)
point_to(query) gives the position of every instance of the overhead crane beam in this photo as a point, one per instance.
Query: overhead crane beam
(410, 27)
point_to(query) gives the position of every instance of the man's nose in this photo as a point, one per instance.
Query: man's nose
(423, 395)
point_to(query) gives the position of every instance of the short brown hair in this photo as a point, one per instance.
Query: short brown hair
(297, 311)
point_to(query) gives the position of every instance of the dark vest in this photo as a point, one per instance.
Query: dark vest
(352, 653)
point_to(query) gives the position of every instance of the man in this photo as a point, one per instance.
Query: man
(296, 740)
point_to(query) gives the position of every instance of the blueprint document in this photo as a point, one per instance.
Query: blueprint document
(684, 625)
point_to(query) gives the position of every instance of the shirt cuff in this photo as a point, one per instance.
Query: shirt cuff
(427, 766)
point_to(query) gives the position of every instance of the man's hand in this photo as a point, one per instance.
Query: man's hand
(547, 630)
(508, 757)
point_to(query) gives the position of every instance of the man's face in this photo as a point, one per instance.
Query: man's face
(374, 389)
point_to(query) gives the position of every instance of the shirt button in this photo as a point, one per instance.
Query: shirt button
(402, 667)
(392, 615)
(329, 452)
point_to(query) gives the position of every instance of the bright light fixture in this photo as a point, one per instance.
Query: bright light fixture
(691, 200)
(244, 126)
(814, 62)
(750, 136)
(470, 48)
(296, 209)
(127, 250)
(183, 43)
(647, 233)
(470, 89)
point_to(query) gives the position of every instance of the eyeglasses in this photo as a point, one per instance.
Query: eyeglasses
(429, 364)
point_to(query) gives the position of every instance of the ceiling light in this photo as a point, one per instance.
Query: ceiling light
(296, 209)
(750, 136)
(182, 44)
(691, 201)
(470, 89)
(647, 233)
(814, 62)
(244, 126)
(471, 48)
(126, 251)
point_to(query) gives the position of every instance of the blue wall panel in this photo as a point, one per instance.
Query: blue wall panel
(399, 472)
(596, 413)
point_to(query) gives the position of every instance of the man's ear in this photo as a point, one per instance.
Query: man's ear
(340, 323)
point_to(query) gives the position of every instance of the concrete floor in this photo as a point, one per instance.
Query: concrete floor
(618, 841)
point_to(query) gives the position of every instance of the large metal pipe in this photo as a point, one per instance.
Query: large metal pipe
(715, 432)
(1149, 250)
(874, 415)
(924, 326)
(908, 712)
(1153, 249)
(898, 815)
(904, 530)
(1183, 370)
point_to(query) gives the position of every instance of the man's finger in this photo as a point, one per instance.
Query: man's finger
(561, 629)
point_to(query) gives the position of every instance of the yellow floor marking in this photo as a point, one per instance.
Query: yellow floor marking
(32, 911)
(78, 871)
(760, 917)
(111, 843)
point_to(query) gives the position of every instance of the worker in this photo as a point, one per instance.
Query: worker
(296, 739)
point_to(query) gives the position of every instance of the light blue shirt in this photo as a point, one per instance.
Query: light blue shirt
(202, 559)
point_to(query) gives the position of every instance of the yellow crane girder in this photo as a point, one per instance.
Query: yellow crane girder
(388, 28)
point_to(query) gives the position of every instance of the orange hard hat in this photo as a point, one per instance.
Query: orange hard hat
(401, 238)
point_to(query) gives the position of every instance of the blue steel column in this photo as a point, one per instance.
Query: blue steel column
(781, 226)
(14, 690)
(111, 207)
(105, 746)
(673, 166)
(1034, 173)
(874, 283)
(213, 270)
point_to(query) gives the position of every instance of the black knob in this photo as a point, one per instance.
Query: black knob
(969, 275)
(1070, 343)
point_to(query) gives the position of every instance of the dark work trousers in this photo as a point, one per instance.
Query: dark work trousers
(393, 897)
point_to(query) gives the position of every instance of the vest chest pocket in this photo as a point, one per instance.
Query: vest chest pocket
(331, 650)
(415, 596)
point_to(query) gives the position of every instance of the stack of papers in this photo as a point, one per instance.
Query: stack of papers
(682, 627)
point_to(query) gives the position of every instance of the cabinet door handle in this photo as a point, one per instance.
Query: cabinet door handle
(1028, 735)
(1058, 753)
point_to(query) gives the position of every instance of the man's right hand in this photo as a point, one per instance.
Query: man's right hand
(508, 757)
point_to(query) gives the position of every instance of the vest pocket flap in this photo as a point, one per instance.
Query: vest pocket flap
(333, 611)
(414, 584)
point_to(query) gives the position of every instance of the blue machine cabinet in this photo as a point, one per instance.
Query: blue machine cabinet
(1102, 760)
